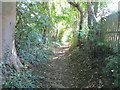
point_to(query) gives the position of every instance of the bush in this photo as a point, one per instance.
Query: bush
(111, 58)
(101, 52)
(13, 79)
(113, 68)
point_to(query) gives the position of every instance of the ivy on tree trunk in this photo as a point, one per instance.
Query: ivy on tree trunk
(8, 29)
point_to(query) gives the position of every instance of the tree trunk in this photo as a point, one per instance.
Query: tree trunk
(8, 27)
(92, 24)
(79, 43)
(0, 30)
(96, 7)
(91, 15)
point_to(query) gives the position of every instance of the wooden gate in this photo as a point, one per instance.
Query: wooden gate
(111, 29)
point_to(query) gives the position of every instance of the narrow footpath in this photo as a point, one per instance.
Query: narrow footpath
(57, 74)
(61, 73)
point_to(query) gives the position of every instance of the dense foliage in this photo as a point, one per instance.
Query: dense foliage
(41, 24)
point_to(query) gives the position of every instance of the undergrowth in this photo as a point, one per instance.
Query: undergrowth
(113, 67)
(29, 55)
(25, 78)
(103, 63)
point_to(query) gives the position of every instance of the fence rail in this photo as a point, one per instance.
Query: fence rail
(111, 29)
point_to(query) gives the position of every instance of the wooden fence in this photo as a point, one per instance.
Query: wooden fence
(111, 29)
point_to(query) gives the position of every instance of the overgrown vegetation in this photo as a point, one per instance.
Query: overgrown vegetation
(41, 25)
(31, 43)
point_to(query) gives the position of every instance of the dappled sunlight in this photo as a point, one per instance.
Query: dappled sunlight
(55, 58)
(66, 35)
(60, 52)
(62, 44)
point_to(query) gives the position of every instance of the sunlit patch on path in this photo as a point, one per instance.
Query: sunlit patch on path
(55, 58)
(60, 52)
(59, 67)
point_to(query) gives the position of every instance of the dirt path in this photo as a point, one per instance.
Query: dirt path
(57, 74)
(61, 73)
(59, 67)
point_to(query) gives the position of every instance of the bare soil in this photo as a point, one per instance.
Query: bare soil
(64, 73)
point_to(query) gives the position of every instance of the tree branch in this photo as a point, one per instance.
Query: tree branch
(81, 12)
(92, 14)
(81, 19)
(32, 11)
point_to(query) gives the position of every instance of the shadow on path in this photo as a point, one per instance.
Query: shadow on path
(56, 72)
